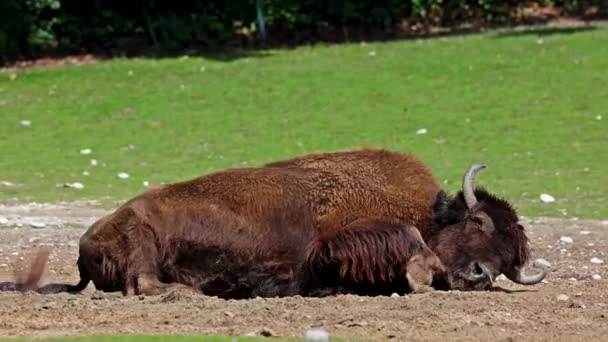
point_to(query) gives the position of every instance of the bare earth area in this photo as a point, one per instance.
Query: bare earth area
(571, 304)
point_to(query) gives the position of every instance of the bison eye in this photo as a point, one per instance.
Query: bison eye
(477, 270)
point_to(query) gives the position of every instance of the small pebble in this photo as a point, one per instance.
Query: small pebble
(395, 295)
(93, 162)
(146, 183)
(25, 123)
(316, 335)
(566, 239)
(267, 332)
(573, 279)
(37, 224)
(502, 277)
(3, 220)
(75, 185)
(577, 304)
(562, 298)
(596, 261)
(584, 232)
(98, 295)
(547, 198)
(123, 175)
(421, 131)
(596, 277)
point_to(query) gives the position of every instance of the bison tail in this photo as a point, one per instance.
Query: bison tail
(29, 281)
(60, 287)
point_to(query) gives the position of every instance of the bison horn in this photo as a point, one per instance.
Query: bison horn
(517, 276)
(467, 185)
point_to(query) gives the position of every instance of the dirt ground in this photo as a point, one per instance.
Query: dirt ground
(532, 313)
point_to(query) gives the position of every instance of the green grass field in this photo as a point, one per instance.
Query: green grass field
(533, 106)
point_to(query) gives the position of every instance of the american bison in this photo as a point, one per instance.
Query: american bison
(248, 232)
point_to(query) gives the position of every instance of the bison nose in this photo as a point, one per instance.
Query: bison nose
(479, 273)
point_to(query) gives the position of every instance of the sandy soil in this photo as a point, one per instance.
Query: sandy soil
(531, 313)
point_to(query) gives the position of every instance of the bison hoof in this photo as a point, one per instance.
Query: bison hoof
(418, 285)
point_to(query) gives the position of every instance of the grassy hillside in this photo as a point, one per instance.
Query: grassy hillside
(532, 105)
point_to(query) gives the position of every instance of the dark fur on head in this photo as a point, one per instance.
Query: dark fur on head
(454, 227)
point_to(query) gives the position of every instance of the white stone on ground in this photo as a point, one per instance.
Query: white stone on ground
(547, 198)
(316, 335)
(566, 239)
(562, 297)
(596, 261)
(36, 224)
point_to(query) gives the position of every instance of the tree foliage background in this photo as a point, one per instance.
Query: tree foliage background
(26, 26)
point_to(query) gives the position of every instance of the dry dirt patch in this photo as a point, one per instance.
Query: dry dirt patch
(527, 313)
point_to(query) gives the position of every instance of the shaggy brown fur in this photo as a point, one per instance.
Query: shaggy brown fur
(402, 175)
(371, 257)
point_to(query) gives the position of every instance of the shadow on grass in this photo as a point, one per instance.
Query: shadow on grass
(254, 49)
(544, 31)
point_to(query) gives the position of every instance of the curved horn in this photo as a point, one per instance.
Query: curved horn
(467, 185)
(517, 276)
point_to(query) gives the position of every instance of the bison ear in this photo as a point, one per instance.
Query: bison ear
(485, 222)
(441, 208)
(447, 211)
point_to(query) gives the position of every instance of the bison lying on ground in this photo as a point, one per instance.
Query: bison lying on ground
(241, 233)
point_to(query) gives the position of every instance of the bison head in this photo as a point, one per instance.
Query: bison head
(477, 236)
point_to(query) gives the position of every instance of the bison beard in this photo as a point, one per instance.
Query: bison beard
(371, 257)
